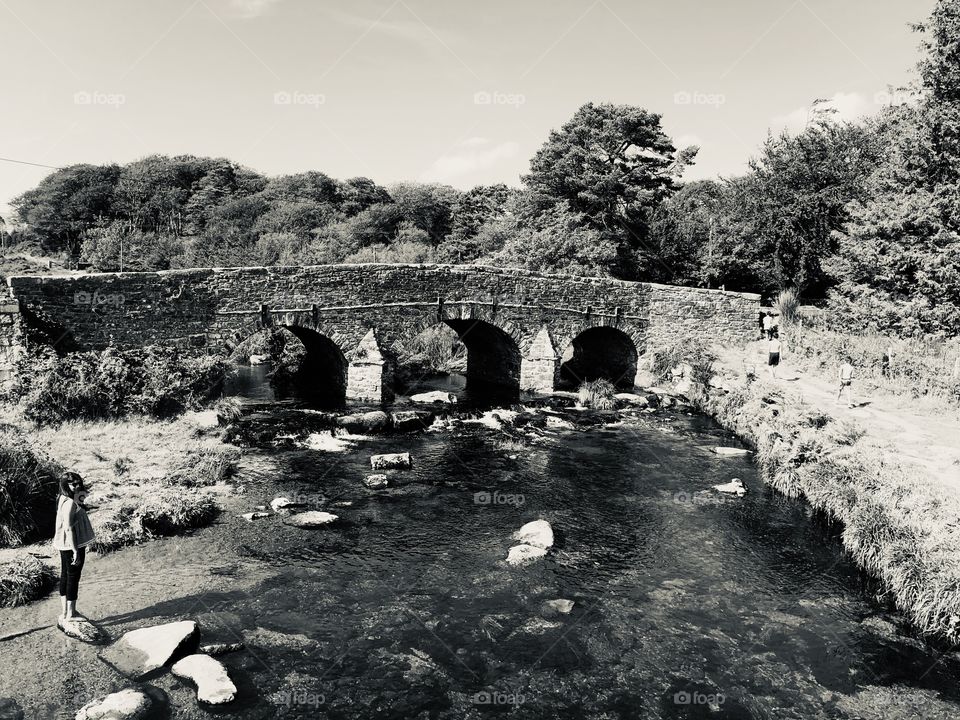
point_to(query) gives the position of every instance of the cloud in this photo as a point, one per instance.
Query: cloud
(684, 141)
(467, 157)
(846, 106)
(249, 9)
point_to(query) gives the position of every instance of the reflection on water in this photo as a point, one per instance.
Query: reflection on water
(686, 603)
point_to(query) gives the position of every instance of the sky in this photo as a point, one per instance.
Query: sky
(431, 90)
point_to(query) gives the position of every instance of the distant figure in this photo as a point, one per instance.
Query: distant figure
(846, 380)
(773, 354)
(886, 361)
(768, 325)
(72, 535)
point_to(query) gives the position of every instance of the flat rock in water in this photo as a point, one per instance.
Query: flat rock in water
(558, 606)
(632, 399)
(214, 686)
(523, 554)
(9, 710)
(128, 704)
(730, 451)
(376, 481)
(251, 516)
(405, 420)
(311, 518)
(390, 460)
(537, 533)
(142, 651)
(373, 421)
(221, 648)
(79, 628)
(734, 487)
(435, 396)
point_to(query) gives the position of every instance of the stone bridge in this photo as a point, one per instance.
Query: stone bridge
(522, 330)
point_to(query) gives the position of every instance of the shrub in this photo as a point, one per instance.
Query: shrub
(597, 394)
(787, 304)
(685, 351)
(205, 468)
(171, 512)
(437, 349)
(28, 491)
(24, 579)
(154, 381)
(228, 410)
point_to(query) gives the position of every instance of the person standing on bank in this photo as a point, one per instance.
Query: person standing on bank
(773, 354)
(846, 380)
(72, 536)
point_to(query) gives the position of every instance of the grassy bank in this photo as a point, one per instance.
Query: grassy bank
(898, 525)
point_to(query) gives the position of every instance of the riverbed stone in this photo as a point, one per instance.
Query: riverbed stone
(221, 648)
(376, 481)
(559, 605)
(631, 399)
(368, 422)
(214, 686)
(257, 515)
(390, 460)
(730, 451)
(127, 704)
(311, 519)
(408, 420)
(140, 652)
(434, 396)
(537, 533)
(523, 553)
(734, 487)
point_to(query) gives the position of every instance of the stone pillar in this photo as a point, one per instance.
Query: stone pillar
(369, 373)
(11, 339)
(540, 367)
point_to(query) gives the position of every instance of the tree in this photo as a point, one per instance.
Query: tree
(473, 210)
(612, 165)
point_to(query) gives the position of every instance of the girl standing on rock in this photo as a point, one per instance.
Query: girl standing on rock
(72, 535)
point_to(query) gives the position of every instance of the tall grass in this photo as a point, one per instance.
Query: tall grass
(898, 525)
(689, 351)
(170, 512)
(787, 304)
(22, 579)
(28, 490)
(597, 394)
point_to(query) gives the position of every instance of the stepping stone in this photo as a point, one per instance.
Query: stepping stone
(734, 487)
(214, 686)
(311, 518)
(434, 396)
(559, 606)
(376, 481)
(79, 628)
(406, 420)
(128, 704)
(140, 652)
(523, 554)
(390, 460)
(730, 451)
(221, 648)
(537, 533)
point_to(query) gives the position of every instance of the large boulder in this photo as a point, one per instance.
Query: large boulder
(523, 553)
(408, 420)
(140, 652)
(537, 533)
(558, 606)
(368, 422)
(434, 396)
(390, 461)
(214, 686)
(128, 704)
(311, 519)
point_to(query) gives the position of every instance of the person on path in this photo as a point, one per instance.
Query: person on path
(72, 535)
(773, 355)
(846, 380)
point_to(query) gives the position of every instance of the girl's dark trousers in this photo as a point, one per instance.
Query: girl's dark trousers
(70, 574)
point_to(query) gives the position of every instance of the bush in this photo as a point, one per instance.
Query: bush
(24, 579)
(171, 512)
(154, 381)
(685, 351)
(207, 467)
(28, 491)
(597, 394)
(787, 304)
(228, 410)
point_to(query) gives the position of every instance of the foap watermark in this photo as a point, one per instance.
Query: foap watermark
(496, 697)
(498, 498)
(893, 97)
(701, 498)
(97, 299)
(485, 97)
(685, 97)
(299, 697)
(714, 700)
(296, 97)
(96, 97)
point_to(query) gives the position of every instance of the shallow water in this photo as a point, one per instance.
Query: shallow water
(686, 603)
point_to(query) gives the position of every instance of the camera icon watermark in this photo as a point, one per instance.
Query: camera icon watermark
(714, 700)
(299, 698)
(97, 299)
(95, 97)
(498, 498)
(685, 97)
(893, 98)
(296, 97)
(495, 697)
(484, 97)
(699, 499)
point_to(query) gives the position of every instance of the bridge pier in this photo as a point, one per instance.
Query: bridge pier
(369, 372)
(540, 367)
